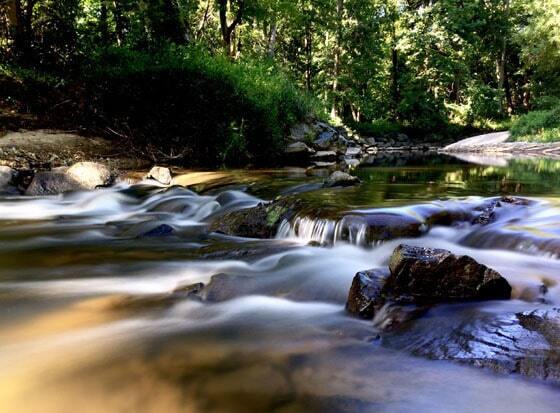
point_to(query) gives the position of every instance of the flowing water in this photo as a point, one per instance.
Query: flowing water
(92, 318)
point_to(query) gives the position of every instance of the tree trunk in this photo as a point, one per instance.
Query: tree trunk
(337, 57)
(271, 48)
(22, 17)
(121, 22)
(501, 70)
(104, 24)
(226, 28)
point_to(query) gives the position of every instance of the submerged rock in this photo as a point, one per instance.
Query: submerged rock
(162, 230)
(341, 179)
(526, 343)
(160, 174)
(489, 211)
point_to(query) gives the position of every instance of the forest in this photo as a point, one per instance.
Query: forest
(225, 79)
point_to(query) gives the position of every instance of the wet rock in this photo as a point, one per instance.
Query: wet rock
(160, 174)
(365, 298)
(341, 179)
(52, 183)
(162, 230)
(261, 221)
(418, 278)
(190, 290)
(434, 275)
(90, 175)
(526, 343)
(489, 211)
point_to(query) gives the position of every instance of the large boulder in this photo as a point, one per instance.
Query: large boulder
(81, 176)
(52, 183)
(424, 276)
(90, 175)
(436, 275)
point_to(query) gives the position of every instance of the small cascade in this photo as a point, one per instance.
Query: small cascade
(324, 231)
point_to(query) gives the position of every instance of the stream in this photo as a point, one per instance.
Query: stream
(92, 318)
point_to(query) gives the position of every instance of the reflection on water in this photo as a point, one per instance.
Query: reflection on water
(93, 317)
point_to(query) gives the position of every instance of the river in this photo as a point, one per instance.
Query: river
(92, 319)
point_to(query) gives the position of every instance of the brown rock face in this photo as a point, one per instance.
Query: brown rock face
(438, 275)
(424, 276)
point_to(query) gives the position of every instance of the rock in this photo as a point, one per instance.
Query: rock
(302, 132)
(353, 152)
(341, 179)
(325, 140)
(435, 275)
(324, 156)
(190, 290)
(526, 343)
(299, 152)
(371, 141)
(90, 175)
(299, 147)
(260, 222)
(52, 183)
(365, 298)
(160, 174)
(489, 211)
(162, 230)
(7, 177)
(418, 278)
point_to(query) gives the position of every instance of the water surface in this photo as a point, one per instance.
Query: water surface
(91, 318)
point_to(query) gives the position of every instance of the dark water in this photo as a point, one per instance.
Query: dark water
(90, 323)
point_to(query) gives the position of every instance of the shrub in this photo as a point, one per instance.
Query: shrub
(185, 101)
(538, 126)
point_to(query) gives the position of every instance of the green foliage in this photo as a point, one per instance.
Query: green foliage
(428, 66)
(538, 126)
(186, 101)
(378, 127)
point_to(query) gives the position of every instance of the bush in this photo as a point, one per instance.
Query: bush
(538, 126)
(185, 101)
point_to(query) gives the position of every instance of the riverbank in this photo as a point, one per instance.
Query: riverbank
(497, 145)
